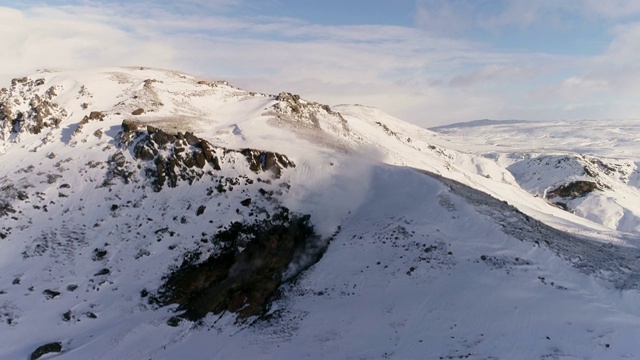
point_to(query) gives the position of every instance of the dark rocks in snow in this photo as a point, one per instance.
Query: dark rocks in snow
(98, 254)
(53, 347)
(200, 210)
(185, 157)
(129, 126)
(267, 161)
(191, 139)
(22, 80)
(573, 189)
(119, 168)
(68, 316)
(104, 271)
(292, 107)
(138, 111)
(160, 137)
(96, 115)
(91, 315)
(93, 116)
(199, 159)
(180, 164)
(52, 178)
(40, 114)
(173, 321)
(51, 294)
(244, 275)
(6, 208)
(292, 100)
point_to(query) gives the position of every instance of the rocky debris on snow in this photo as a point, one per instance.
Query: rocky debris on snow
(119, 168)
(93, 116)
(8, 193)
(60, 242)
(9, 313)
(22, 110)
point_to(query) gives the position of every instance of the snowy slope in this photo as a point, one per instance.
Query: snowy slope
(544, 157)
(441, 244)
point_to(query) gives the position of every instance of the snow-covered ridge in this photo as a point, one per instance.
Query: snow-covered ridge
(113, 179)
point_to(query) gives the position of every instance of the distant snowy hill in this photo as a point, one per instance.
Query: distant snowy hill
(150, 214)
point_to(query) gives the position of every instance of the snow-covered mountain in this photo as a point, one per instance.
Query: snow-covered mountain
(148, 213)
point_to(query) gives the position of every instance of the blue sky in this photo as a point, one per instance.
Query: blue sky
(429, 62)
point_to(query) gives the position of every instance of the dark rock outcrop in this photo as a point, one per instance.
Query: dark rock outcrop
(54, 347)
(573, 189)
(244, 275)
(267, 161)
(172, 158)
(41, 113)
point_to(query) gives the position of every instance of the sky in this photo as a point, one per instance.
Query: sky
(429, 62)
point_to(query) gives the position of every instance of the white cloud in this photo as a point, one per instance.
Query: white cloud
(416, 75)
(51, 38)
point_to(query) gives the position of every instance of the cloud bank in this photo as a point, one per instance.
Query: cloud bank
(433, 71)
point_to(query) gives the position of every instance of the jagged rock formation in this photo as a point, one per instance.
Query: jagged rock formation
(185, 157)
(291, 109)
(22, 109)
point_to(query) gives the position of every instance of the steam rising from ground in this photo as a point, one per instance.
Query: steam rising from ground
(330, 193)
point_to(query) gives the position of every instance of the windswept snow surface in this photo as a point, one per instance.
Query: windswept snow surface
(445, 242)
(545, 155)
